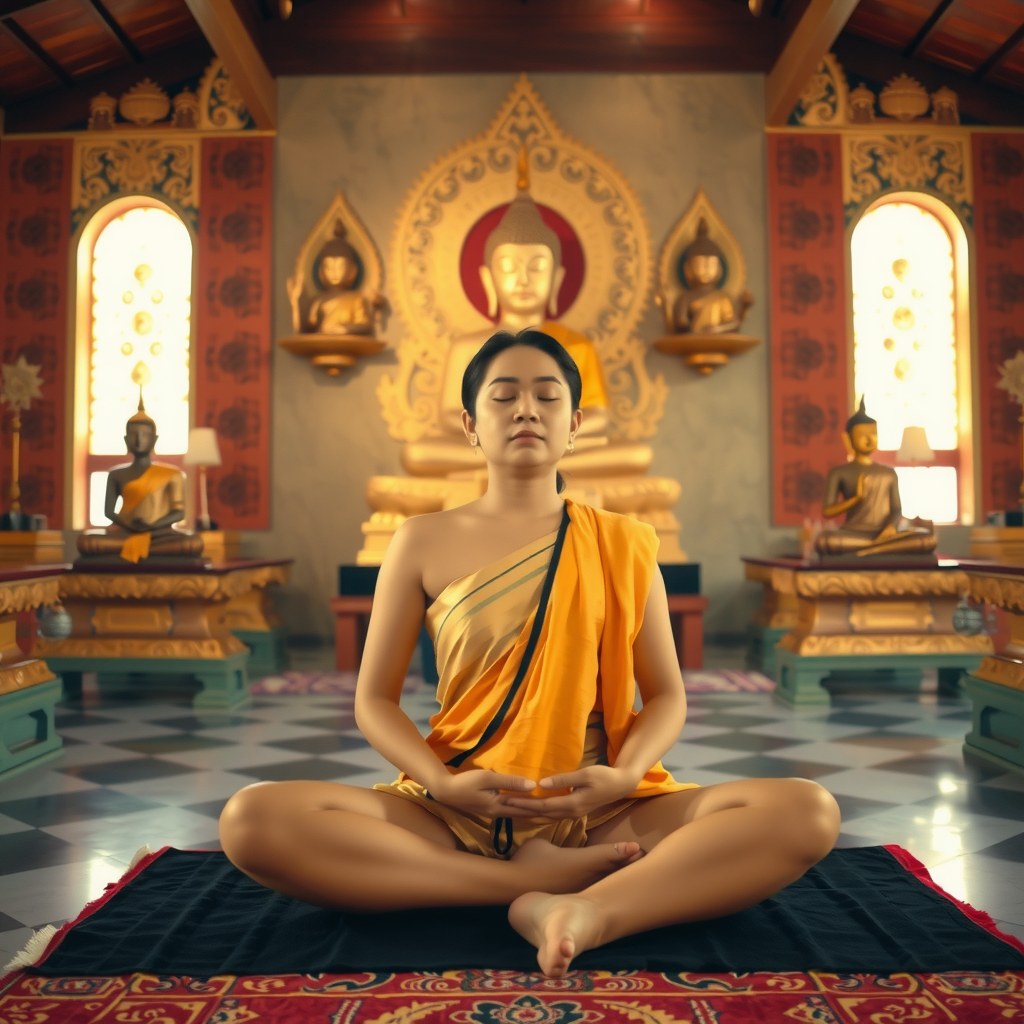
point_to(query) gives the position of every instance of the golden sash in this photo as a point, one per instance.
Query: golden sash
(135, 492)
(582, 661)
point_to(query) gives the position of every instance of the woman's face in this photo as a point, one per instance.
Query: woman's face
(524, 415)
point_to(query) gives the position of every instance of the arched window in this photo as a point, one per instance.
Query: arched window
(135, 296)
(911, 347)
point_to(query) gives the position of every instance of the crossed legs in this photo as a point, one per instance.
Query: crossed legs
(709, 852)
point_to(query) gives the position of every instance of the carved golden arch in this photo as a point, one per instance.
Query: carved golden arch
(444, 204)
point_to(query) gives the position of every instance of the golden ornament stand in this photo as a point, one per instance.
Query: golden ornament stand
(29, 690)
(31, 547)
(705, 353)
(163, 621)
(889, 615)
(333, 353)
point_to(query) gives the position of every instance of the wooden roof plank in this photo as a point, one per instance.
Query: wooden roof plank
(231, 41)
(18, 33)
(927, 30)
(116, 31)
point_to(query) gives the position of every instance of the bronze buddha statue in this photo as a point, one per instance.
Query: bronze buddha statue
(339, 308)
(704, 307)
(153, 500)
(869, 495)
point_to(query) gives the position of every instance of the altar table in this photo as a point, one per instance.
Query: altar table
(892, 616)
(156, 620)
(28, 688)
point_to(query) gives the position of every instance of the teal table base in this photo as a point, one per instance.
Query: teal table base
(799, 677)
(267, 650)
(27, 734)
(997, 724)
(761, 641)
(225, 681)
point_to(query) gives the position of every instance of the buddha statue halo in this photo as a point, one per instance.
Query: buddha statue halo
(701, 289)
(335, 292)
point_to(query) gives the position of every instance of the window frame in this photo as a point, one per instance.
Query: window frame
(965, 457)
(83, 246)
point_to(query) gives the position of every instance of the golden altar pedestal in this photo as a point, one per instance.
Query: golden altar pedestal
(157, 621)
(996, 686)
(29, 690)
(31, 547)
(1004, 544)
(889, 615)
(775, 618)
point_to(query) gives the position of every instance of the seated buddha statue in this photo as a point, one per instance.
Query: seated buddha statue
(152, 500)
(704, 308)
(869, 495)
(521, 275)
(340, 308)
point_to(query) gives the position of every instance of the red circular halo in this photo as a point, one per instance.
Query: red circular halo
(472, 258)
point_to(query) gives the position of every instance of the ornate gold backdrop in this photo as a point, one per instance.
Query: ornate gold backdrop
(452, 195)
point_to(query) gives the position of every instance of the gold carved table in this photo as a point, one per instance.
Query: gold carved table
(28, 688)
(996, 686)
(776, 616)
(155, 621)
(879, 619)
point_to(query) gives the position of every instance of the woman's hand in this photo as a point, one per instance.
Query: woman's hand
(482, 792)
(592, 787)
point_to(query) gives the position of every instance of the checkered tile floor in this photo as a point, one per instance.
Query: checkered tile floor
(142, 768)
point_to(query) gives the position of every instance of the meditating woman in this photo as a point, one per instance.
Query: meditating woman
(539, 785)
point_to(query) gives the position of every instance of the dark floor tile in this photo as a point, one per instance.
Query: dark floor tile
(733, 720)
(211, 808)
(848, 842)
(764, 766)
(868, 720)
(1008, 849)
(996, 803)
(256, 704)
(892, 741)
(213, 844)
(329, 743)
(962, 715)
(311, 768)
(154, 746)
(60, 808)
(857, 806)
(715, 700)
(68, 741)
(135, 770)
(8, 924)
(935, 765)
(332, 723)
(73, 718)
(749, 741)
(196, 723)
(23, 851)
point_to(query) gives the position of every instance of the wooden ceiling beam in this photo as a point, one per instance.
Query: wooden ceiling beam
(808, 43)
(13, 6)
(1000, 55)
(231, 41)
(114, 28)
(928, 29)
(16, 32)
(61, 109)
(978, 100)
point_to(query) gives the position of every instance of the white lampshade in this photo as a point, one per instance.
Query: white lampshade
(915, 447)
(202, 447)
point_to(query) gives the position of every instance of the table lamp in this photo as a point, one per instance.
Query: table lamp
(914, 447)
(202, 451)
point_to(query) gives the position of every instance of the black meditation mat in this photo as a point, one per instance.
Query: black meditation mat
(193, 913)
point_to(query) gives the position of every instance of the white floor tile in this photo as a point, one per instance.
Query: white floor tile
(41, 782)
(878, 784)
(807, 729)
(93, 753)
(48, 894)
(8, 826)
(262, 732)
(228, 758)
(113, 732)
(702, 776)
(696, 731)
(697, 755)
(847, 755)
(194, 788)
(367, 758)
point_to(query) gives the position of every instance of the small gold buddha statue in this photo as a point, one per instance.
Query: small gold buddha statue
(340, 308)
(869, 495)
(704, 307)
(153, 500)
(521, 275)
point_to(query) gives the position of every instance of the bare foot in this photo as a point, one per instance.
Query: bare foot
(559, 926)
(568, 869)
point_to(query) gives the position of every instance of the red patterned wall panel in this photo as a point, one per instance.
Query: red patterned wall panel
(808, 320)
(999, 277)
(233, 310)
(35, 211)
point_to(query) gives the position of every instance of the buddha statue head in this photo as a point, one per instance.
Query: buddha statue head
(522, 271)
(338, 263)
(703, 261)
(861, 435)
(140, 432)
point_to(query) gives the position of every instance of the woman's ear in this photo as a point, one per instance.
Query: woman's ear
(469, 426)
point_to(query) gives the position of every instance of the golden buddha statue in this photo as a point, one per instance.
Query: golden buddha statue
(704, 308)
(153, 500)
(869, 495)
(340, 308)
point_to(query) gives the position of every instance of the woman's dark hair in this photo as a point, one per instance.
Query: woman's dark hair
(473, 378)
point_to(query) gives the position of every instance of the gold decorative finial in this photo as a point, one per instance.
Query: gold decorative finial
(523, 170)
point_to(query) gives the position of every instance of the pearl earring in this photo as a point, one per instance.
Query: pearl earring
(572, 445)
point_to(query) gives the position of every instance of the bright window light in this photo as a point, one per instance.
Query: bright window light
(97, 497)
(929, 492)
(142, 305)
